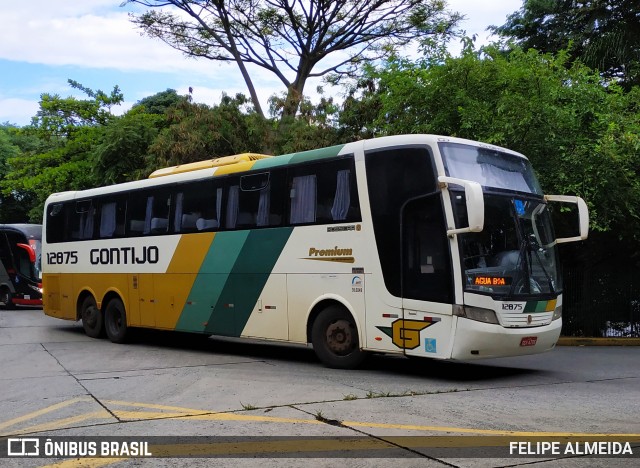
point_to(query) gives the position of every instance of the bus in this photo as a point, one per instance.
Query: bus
(417, 245)
(20, 275)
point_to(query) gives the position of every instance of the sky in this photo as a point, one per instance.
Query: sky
(46, 42)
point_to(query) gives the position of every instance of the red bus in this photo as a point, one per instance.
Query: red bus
(20, 265)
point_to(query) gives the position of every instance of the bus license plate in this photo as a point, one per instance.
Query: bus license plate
(528, 341)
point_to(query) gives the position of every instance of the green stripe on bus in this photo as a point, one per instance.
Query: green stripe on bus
(247, 278)
(312, 155)
(535, 306)
(211, 281)
(298, 157)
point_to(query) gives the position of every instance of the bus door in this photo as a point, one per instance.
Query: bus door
(141, 300)
(426, 278)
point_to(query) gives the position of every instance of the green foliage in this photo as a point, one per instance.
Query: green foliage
(60, 117)
(160, 102)
(11, 207)
(56, 148)
(314, 127)
(65, 167)
(604, 34)
(122, 146)
(197, 132)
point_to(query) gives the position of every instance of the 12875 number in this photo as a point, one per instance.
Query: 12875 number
(62, 258)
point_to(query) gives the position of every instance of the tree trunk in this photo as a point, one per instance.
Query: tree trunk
(293, 99)
(250, 87)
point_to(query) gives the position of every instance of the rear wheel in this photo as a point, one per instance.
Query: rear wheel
(92, 320)
(115, 321)
(335, 339)
(6, 298)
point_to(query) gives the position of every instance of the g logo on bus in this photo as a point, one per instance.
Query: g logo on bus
(405, 334)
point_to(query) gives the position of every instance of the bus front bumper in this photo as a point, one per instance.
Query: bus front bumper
(478, 340)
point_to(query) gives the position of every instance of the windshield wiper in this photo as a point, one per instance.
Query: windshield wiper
(544, 270)
(525, 264)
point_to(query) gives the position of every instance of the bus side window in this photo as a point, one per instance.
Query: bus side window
(197, 207)
(303, 196)
(56, 222)
(112, 218)
(5, 254)
(82, 220)
(253, 198)
(231, 213)
(324, 193)
(148, 213)
(156, 219)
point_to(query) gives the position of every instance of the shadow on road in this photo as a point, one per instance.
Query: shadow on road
(449, 371)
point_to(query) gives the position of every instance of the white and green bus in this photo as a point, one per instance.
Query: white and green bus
(418, 245)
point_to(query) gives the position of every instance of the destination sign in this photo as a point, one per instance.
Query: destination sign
(486, 280)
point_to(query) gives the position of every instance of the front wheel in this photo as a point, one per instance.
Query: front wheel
(91, 318)
(335, 339)
(115, 321)
(6, 298)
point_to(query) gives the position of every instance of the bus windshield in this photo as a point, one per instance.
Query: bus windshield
(490, 168)
(515, 254)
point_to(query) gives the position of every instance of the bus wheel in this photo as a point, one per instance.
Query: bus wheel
(115, 321)
(6, 300)
(335, 339)
(91, 318)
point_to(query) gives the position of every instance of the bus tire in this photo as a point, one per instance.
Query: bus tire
(6, 298)
(334, 336)
(92, 320)
(115, 321)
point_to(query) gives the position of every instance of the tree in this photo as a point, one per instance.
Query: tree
(604, 34)
(196, 132)
(11, 206)
(122, 146)
(316, 126)
(293, 39)
(59, 117)
(62, 136)
(159, 102)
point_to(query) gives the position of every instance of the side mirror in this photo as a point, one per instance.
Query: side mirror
(474, 200)
(583, 216)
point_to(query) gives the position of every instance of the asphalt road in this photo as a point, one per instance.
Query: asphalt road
(258, 404)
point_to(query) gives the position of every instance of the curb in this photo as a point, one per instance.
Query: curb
(581, 341)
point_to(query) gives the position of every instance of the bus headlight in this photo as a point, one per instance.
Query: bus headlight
(557, 313)
(476, 313)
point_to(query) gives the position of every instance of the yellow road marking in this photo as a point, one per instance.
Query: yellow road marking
(316, 445)
(138, 415)
(62, 423)
(155, 406)
(42, 411)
